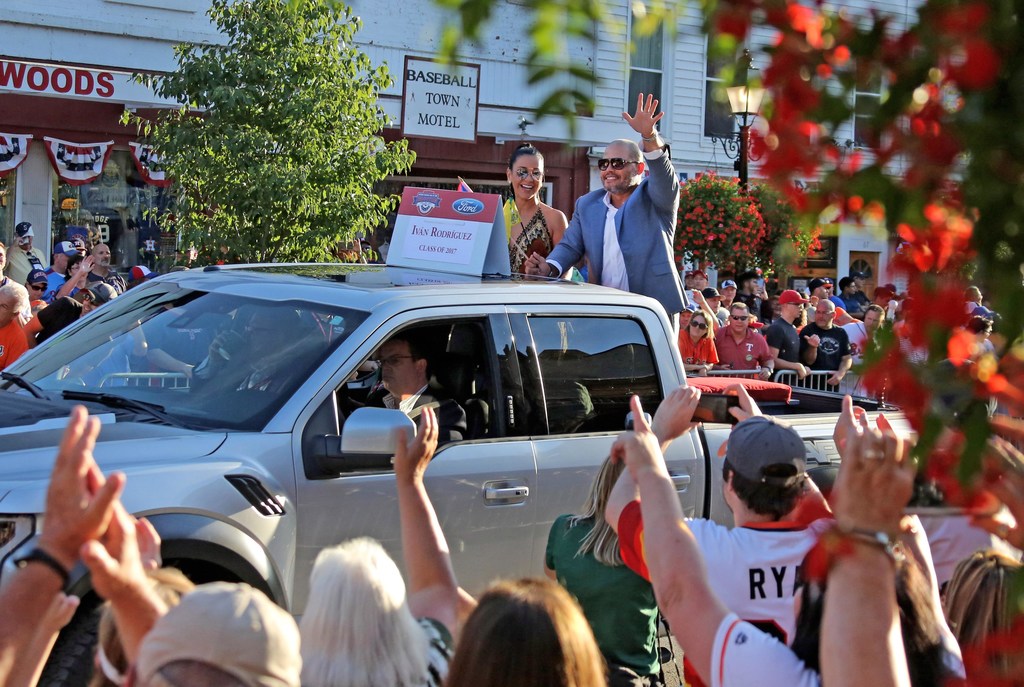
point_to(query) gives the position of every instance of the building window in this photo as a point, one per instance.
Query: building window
(718, 119)
(645, 65)
(867, 97)
(118, 208)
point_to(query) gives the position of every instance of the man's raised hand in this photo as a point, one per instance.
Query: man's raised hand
(646, 116)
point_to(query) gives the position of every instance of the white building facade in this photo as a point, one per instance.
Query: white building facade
(65, 69)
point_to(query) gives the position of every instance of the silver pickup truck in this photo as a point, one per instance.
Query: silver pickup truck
(248, 468)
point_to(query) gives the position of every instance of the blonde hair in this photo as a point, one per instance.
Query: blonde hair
(527, 632)
(111, 662)
(601, 541)
(975, 601)
(357, 630)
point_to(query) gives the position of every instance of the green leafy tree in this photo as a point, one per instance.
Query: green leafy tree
(277, 146)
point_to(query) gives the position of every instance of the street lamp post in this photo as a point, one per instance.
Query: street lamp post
(744, 103)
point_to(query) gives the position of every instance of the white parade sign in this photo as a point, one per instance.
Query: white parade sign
(450, 231)
(440, 100)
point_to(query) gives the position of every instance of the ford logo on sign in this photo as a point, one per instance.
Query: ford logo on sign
(468, 206)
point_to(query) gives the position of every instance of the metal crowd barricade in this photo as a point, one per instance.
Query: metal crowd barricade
(818, 380)
(163, 380)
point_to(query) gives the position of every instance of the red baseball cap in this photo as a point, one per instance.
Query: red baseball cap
(791, 296)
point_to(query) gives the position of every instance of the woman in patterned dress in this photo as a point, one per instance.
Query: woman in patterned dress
(535, 227)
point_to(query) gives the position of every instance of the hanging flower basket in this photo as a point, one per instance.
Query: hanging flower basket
(717, 224)
(721, 224)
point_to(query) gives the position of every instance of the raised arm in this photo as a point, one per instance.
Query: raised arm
(79, 504)
(673, 557)
(433, 590)
(861, 617)
(664, 184)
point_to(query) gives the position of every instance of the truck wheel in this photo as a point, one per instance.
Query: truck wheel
(71, 661)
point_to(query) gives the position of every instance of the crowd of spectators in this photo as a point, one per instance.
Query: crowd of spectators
(756, 330)
(803, 587)
(39, 298)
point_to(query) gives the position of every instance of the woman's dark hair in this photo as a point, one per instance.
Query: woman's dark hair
(978, 324)
(918, 625)
(763, 499)
(72, 261)
(527, 632)
(521, 150)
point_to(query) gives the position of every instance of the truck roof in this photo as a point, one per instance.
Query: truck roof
(371, 286)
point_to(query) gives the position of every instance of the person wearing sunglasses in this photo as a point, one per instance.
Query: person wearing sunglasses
(624, 230)
(533, 226)
(697, 346)
(36, 286)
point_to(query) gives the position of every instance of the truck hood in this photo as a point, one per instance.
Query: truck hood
(27, 454)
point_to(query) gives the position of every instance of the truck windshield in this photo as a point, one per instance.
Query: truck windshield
(206, 359)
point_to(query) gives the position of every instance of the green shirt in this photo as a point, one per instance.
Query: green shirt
(618, 603)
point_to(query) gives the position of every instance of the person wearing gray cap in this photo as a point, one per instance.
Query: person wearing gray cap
(753, 566)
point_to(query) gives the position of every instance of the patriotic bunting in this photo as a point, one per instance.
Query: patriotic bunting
(149, 165)
(78, 163)
(13, 149)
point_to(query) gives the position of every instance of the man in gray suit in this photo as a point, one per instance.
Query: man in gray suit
(625, 230)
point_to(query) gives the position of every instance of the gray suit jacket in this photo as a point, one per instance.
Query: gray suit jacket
(645, 226)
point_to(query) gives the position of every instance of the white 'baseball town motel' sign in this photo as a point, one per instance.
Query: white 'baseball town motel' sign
(440, 100)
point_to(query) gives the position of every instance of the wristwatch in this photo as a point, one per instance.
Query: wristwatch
(37, 555)
(552, 270)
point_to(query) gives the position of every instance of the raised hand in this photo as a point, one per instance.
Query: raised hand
(674, 416)
(645, 118)
(874, 483)
(116, 559)
(413, 455)
(79, 500)
(852, 421)
(748, 407)
(1005, 478)
(638, 449)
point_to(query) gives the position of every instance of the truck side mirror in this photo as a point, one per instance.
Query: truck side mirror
(367, 441)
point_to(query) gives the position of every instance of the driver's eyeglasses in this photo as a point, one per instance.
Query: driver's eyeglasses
(615, 163)
(523, 173)
(392, 360)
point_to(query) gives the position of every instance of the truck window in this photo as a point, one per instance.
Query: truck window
(589, 367)
(458, 370)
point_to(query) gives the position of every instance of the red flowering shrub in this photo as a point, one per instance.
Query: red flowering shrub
(718, 223)
(722, 224)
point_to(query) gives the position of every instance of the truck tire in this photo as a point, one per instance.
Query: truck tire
(71, 661)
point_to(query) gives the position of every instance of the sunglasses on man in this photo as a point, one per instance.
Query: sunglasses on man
(615, 163)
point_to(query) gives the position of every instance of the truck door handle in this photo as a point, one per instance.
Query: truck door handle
(505, 493)
(679, 480)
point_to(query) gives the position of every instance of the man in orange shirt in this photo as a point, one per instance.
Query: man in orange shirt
(13, 301)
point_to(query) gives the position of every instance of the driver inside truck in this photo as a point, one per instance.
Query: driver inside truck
(405, 378)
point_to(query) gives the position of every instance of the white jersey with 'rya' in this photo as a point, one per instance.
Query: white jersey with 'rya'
(753, 569)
